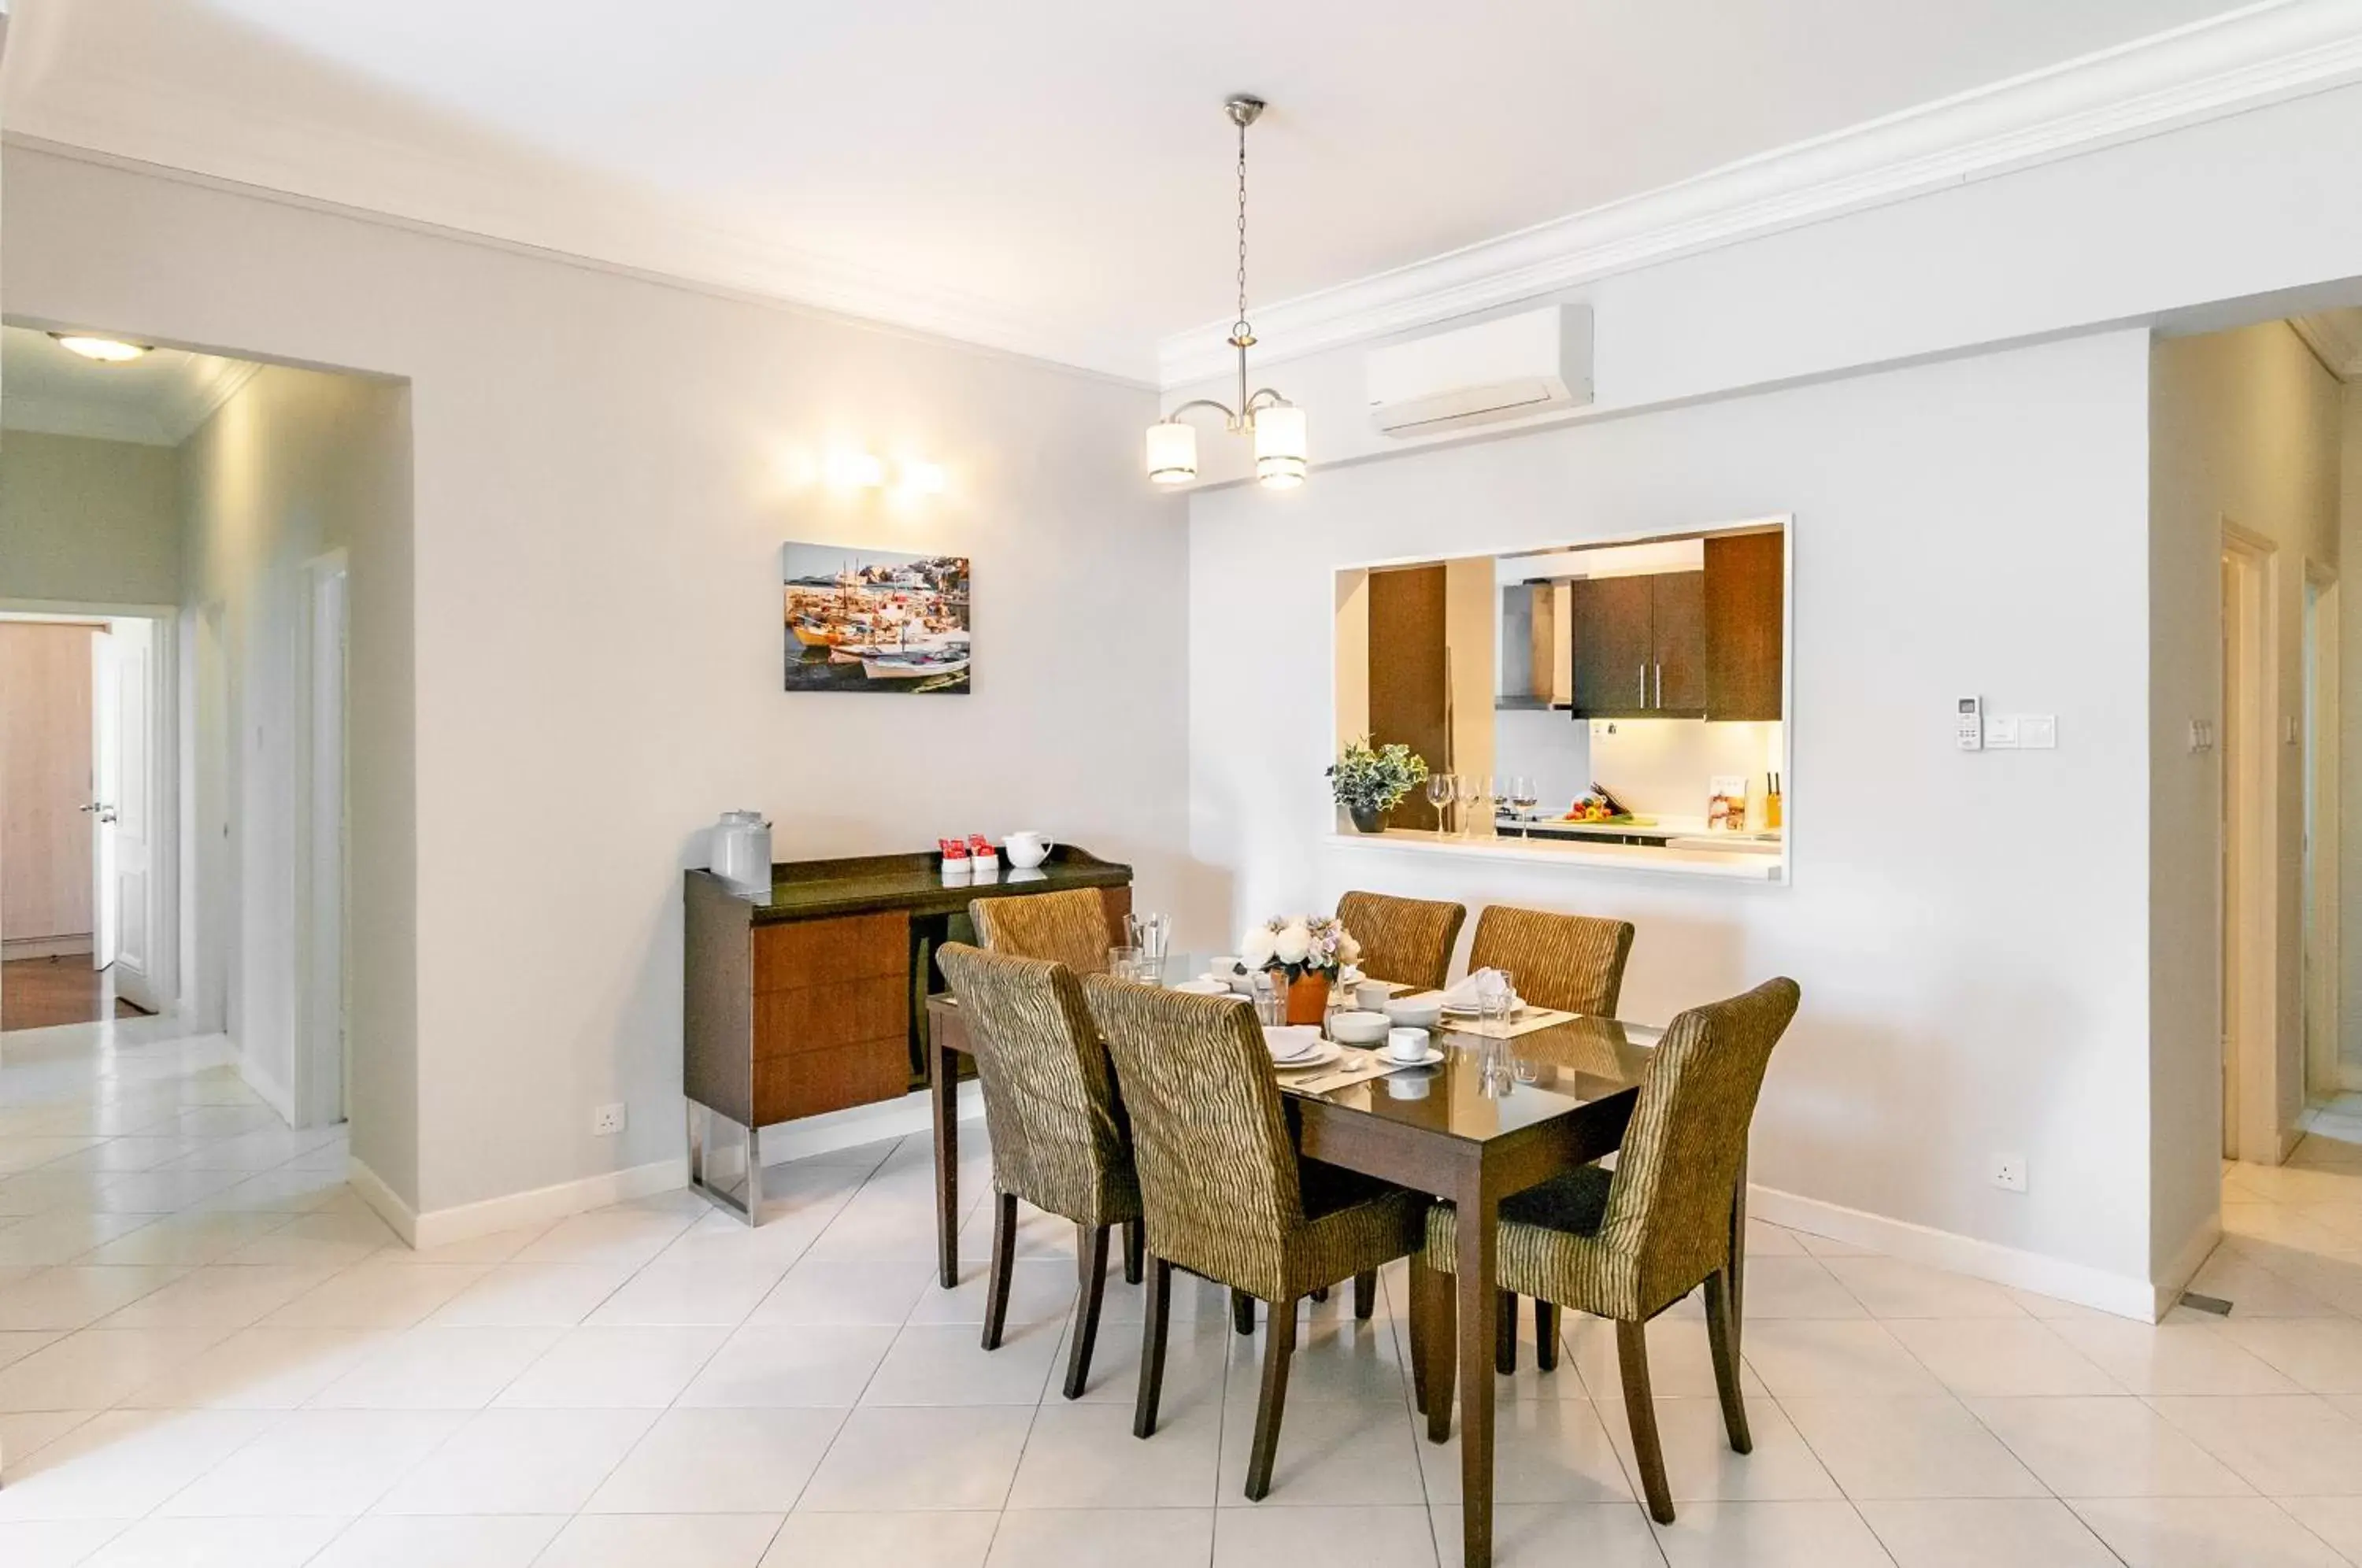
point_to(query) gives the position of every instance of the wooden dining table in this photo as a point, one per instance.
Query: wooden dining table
(1494, 1118)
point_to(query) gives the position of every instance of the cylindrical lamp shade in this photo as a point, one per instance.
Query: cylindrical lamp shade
(1172, 452)
(1279, 445)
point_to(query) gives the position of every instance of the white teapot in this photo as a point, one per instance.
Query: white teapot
(1026, 850)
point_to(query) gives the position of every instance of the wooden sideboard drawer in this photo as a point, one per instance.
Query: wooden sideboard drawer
(814, 952)
(817, 1017)
(811, 1082)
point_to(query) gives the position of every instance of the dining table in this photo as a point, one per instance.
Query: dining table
(1493, 1117)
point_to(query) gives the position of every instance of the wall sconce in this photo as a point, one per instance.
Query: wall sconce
(854, 470)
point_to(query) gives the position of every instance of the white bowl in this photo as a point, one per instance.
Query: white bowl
(1358, 1028)
(1202, 988)
(1407, 1013)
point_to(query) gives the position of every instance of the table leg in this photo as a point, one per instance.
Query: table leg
(1478, 1313)
(943, 1101)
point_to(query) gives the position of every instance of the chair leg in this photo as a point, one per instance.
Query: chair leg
(1505, 1334)
(1632, 1365)
(1365, 1294)
(1090, 1261)
(1278, 1350)
(1442, 1354)
(1421, 1310)
(1135, 1242)
(1152, 1348)
(1242, 1312)
(1004, 1263)
(1545, 1335)
(1722, 1334)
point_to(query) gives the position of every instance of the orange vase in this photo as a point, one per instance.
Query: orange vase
(1307, 996)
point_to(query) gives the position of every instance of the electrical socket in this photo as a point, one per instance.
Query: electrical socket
(607, 1120)
(2009, 1172)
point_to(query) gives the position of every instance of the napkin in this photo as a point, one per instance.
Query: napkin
(1462, 997)
(1288, 1042)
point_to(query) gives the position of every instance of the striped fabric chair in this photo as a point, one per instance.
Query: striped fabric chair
(1226, 1195)
(1628, 1244)
(1058, 1135)
(1071, 927)
(1574, 963)
(1405, 940)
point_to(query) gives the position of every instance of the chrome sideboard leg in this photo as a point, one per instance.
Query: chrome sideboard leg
(746, 1200)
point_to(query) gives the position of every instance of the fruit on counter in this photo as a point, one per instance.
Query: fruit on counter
(1595, 809)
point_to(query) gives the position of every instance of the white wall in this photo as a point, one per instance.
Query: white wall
(88, 521)
(605, 470)
(1970, 932)
(297, 464)
(2242, 429)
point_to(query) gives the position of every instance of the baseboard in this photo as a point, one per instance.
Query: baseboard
(2177, 1275)
(378, 1196)
(45, 947)
(275, 1094)
(465, 1221)
(861, 1124)
(2126, 1295)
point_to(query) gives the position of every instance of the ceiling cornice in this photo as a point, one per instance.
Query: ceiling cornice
(2335, 340)
(2243, 60)
(194, 401)
(84, 417)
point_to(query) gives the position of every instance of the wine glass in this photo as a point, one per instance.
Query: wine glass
(1438, 795)
(1524, 796)
(1501, 792)
(1470, 788)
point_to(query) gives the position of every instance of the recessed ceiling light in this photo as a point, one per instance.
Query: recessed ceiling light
(106, 351)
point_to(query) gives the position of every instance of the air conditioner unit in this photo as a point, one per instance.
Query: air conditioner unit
(1502, 369)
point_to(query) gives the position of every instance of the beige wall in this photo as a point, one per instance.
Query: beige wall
(88, 521)
(605, 468)
(45, 737)
(2244, 427)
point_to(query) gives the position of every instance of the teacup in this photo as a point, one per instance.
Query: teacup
(1224, 966)
(1371, 995)
(1407, 1044)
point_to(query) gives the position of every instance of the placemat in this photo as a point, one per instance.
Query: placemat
(1356, 1066)
(1533, 1018)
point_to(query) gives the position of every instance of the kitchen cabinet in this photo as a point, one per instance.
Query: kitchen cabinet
(1745, 583)
(1639, 646)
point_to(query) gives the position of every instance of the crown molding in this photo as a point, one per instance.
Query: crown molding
(2243, 60)
(93, 420)
(193, 402)
(2335, 340)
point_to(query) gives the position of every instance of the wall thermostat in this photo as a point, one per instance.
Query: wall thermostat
(1968, 724)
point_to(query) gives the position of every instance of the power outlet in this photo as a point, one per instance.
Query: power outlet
(2009, 1172)
(607, 1120)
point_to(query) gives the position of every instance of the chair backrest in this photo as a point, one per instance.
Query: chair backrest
(1669, 1204)
(1406, 940)
(1071, 927)
(1058, 1139)
(1575, 963)
(1218, 1172)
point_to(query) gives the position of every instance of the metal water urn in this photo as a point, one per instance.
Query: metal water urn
(742, 853)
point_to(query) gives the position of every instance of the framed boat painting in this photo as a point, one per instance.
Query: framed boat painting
(874, 621)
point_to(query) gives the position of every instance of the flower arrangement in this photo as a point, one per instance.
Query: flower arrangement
(1370, 783)
(1298, 945)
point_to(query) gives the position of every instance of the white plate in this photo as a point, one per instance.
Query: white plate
(1448, 1011)
(1305, 1037)
(1202, 988)
(1319, 1057)
(1389, 1059)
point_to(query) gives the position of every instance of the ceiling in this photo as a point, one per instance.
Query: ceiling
(158, 399)
(1050, 177)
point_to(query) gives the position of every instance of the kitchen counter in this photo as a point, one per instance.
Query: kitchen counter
(807, 889)
(1753, 865)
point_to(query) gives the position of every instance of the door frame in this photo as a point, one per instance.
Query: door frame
(2323, 876)
(320, 1057)
(2248, 905)
(163, 761)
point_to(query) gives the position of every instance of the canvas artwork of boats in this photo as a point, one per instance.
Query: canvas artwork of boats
(874, 620)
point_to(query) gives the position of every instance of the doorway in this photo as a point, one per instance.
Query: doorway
(2249, 939)
(86, 926)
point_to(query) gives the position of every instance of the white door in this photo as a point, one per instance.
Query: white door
(105, 779)
(123, 700)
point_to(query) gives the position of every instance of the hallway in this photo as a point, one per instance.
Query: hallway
(40, 993)
(211, 1351)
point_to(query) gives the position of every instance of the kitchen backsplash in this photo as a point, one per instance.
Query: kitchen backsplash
(1656, 766)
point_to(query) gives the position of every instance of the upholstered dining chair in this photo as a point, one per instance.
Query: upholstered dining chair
(1574, 963)
(1071, 927)
(1057, 1130)
(1629, 1244)
(1405, 940)
(1226, 1195)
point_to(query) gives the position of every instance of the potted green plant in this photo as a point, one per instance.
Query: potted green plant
(1370, 783)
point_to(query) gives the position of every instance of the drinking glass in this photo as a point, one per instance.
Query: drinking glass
(1270, 1001)
(1124, 963)
(1438, 795)
(1494, 992)
(1501, 794)
(1470, 788)
(1149, 934)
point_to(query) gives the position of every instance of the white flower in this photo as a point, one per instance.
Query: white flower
(1292, 943)
(1255, 947)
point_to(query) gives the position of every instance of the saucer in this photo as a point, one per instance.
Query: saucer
(1388, 1059)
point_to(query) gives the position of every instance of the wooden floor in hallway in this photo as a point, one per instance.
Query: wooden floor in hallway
(39, 993)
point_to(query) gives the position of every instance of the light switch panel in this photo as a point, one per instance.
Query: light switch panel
(2000, 731)
(2038, 732)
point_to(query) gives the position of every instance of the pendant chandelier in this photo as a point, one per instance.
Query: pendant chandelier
(1276, 425)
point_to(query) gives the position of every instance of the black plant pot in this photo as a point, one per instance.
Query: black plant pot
(1369, 819)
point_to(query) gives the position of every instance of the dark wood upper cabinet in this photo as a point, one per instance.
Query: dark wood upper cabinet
(1615, 645)
(1744, 585)
(1411, 674)
(1677, 684)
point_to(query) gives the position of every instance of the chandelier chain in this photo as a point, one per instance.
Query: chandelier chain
(1241, 333)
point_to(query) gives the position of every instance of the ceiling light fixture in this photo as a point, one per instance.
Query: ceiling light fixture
(106, 351)
(1276, 425)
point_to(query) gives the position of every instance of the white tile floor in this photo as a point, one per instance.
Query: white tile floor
(212, 1352)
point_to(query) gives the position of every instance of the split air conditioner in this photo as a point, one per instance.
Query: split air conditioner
(1502, 369)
